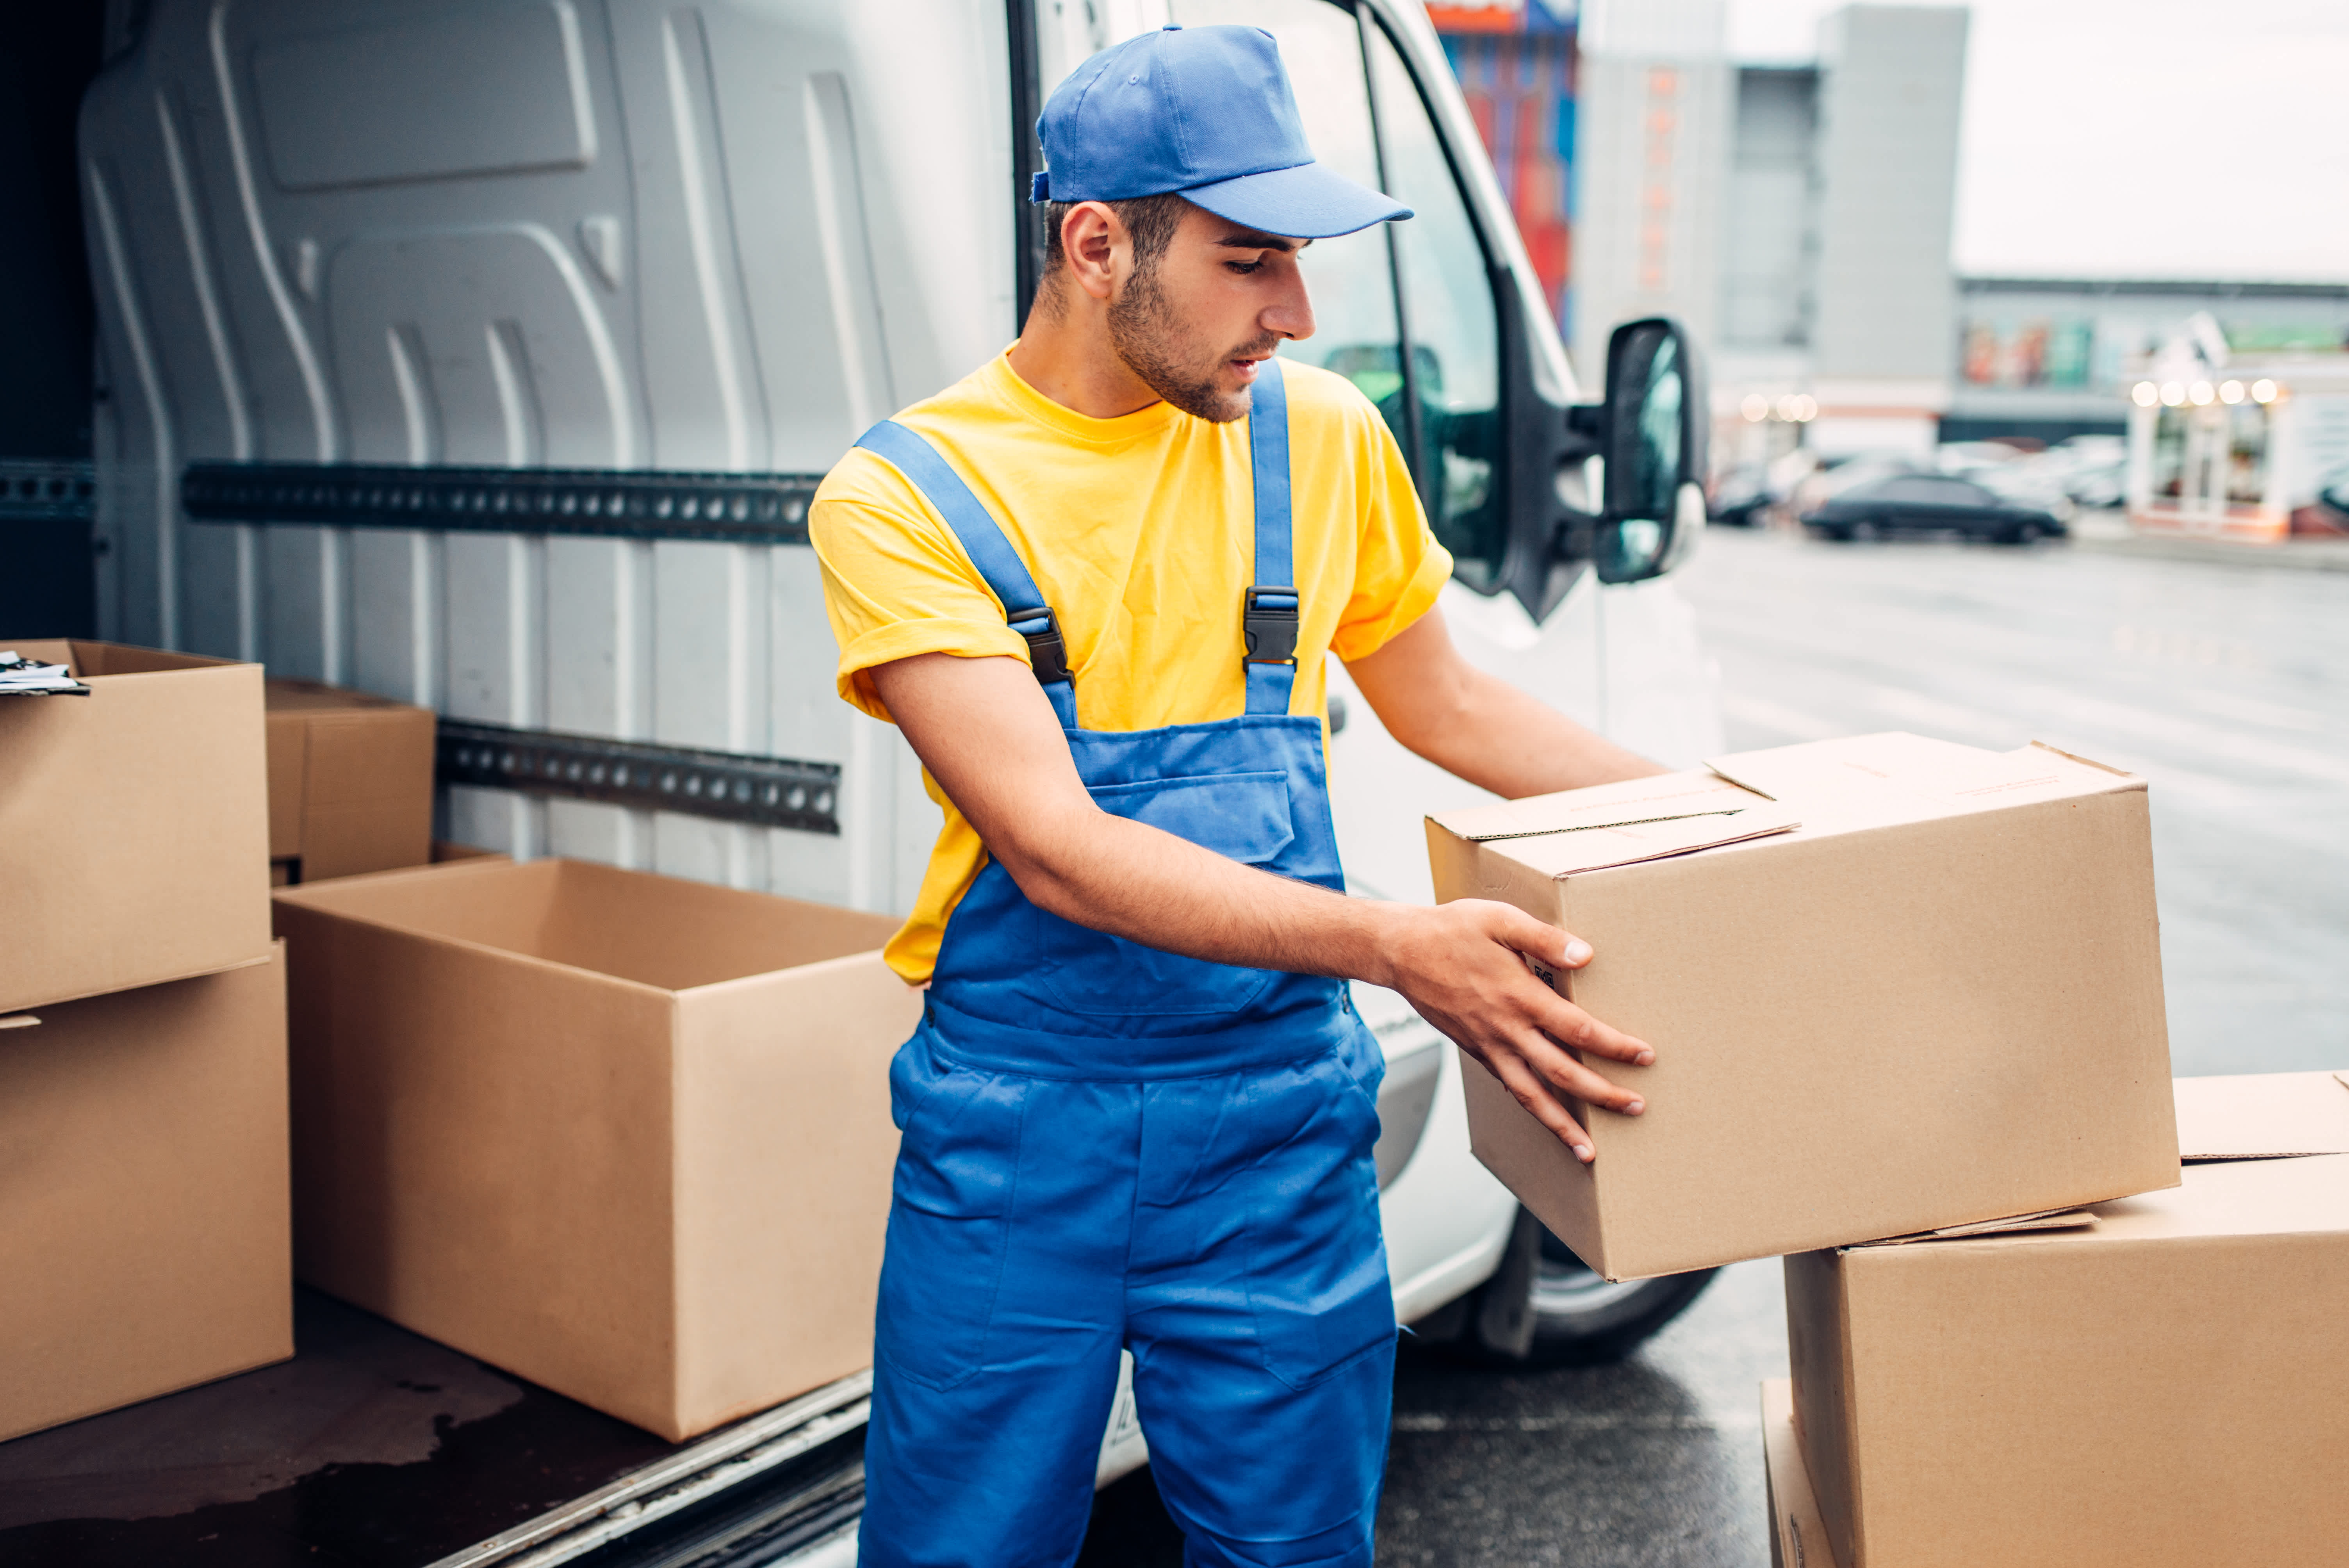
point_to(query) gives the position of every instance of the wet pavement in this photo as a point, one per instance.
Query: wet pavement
(2226, 687)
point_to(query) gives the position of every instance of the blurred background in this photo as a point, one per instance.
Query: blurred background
(2082, 255)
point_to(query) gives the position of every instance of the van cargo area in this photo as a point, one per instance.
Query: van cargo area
(377, 1448)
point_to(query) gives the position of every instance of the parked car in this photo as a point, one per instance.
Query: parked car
(1930, 504)
(1741, 495)
(1831, 478)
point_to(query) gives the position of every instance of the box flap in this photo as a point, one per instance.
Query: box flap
(1619, 824)
(2045, 1220)
(1869, 780)
(2263, 1116)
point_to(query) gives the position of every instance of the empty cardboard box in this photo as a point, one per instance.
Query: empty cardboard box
(134, 829)
(350, 782)
(1892, 985)
(625, 1135)
(144, 1239)
(2161, 1386)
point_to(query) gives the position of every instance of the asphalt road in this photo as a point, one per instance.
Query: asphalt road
(2226, 687)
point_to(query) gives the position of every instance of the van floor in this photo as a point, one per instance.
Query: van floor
(372, 1448)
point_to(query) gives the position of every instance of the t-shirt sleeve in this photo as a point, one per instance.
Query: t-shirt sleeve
(1399, 567)
(896, 582)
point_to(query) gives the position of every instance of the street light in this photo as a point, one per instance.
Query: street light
(2173, 393)
(2264, 390)
(1755, 408)
(2201, 394)
(2230, 391)
(2144, 394)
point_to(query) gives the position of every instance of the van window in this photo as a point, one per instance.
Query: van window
(1351, 83)
(1448, 318)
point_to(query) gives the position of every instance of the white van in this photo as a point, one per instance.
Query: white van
(484, 354)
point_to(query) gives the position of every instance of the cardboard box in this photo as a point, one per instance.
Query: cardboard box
(1893, 984)
(144, 1229)
(625, 1135)
(2162, 1386)
(134, 826)
(1798, 1536)
(350, 782)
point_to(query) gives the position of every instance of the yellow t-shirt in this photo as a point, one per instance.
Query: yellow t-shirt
(1141, 533)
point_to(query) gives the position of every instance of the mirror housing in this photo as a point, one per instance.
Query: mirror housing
(1651, 429)
(1651, 433)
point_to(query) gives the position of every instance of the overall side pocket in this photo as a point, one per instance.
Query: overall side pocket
(949, 1213)
(1317, 1276)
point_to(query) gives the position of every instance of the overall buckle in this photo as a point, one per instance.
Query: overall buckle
(1268, 620)
(1045, 653)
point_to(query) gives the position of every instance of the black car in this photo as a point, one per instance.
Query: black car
(1930, 504)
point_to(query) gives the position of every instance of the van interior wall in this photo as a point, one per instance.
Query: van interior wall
(48, 53)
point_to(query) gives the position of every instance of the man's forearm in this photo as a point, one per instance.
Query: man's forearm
(1148, 886)
(1505, 740)
(1479, 728)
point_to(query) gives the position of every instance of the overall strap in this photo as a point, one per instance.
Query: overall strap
(997, 562)
(1269, 614)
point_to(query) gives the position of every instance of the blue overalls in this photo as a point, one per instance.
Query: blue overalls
(1107, 1147)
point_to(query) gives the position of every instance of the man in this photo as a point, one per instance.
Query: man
(1094, 584)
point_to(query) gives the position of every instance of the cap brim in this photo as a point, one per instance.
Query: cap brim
(1307, 202)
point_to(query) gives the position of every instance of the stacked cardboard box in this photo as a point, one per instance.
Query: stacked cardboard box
(625, 1135)
(1892, 985)
(350, 783)
(143, 1209)
(2154, 1382)
(1906, 1003)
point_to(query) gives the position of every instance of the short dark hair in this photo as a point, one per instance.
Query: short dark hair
(1150, 219)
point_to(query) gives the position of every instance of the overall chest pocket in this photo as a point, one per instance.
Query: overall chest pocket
(1243, 816)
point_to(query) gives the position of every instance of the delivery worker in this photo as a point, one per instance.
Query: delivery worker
(1093, 583)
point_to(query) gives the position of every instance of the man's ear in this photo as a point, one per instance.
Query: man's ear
(1095, 247)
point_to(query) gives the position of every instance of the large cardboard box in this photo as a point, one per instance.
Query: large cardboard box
(625, 1135)
(350, 782)
(2163, 1387)
(1892, 985)
(144, 1240)
(134, 830)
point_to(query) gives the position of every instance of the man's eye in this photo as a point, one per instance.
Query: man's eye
(1245, 268)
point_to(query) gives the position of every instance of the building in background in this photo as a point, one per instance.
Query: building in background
(1654, 129)
(1515, 62)
(1796, 216)
(1838, 301)
(2053, 357)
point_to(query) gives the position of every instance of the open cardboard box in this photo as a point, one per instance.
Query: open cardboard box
(1893, 984)
(134, 829)
(144, 1239)
(350, 782)
(2157, 1382)
(625, 1135)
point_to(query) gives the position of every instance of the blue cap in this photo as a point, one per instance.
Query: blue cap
(1204, 112)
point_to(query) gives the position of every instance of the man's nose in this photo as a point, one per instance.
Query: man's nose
(1291, 313)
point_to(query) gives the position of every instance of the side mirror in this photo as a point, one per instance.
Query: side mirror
(1658, 422)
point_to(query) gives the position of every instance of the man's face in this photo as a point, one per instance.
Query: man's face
(1195, 326)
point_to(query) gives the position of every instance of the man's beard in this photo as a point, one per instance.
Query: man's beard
(1144, 336)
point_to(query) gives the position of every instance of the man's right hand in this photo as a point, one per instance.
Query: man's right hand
(1463, 966)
